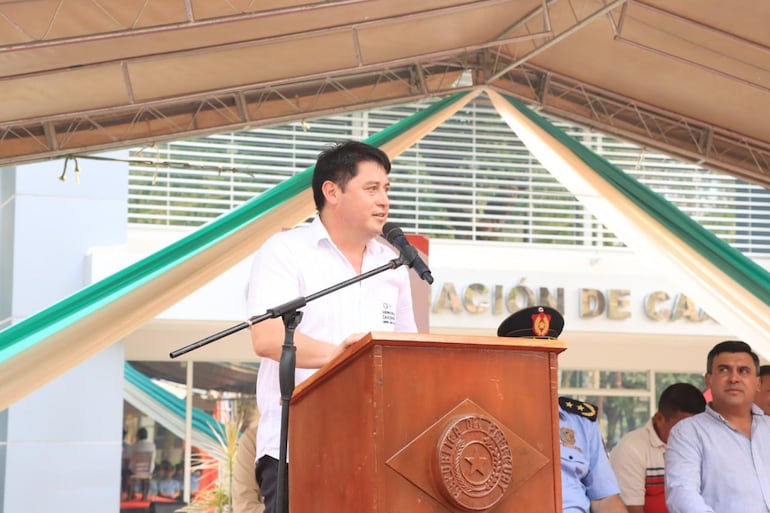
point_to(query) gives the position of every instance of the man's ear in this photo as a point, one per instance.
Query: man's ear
(331, 191)
(657, 418)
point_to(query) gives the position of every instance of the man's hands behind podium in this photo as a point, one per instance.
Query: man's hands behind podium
(267, 339)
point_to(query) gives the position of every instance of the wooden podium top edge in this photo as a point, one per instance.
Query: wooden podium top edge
(401, 338)
(390, 338)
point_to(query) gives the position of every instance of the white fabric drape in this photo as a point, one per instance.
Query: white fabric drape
(729, 303)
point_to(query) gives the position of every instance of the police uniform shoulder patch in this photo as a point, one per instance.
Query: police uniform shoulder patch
(581, 408)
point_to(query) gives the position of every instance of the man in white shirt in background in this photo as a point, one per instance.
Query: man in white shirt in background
(638, 459)
(717, 461)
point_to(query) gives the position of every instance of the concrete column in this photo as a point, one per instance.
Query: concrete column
(60, 446)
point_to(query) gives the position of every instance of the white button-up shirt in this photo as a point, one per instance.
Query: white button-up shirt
(712, 467)
(303, 261)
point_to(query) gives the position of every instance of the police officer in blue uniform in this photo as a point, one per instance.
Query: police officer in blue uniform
(588, 483)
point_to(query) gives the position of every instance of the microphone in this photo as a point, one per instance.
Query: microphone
(395, 236)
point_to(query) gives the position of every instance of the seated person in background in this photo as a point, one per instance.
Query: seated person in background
(179, 476)
(762, 398)
(195, 482)
(717, 461)
(587, 481)
(167, 485)
(638, 459)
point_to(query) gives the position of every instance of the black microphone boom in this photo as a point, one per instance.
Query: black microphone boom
(395, 236)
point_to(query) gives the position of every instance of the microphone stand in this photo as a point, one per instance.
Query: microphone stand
(286, 366)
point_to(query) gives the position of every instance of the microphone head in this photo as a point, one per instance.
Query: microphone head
(391, 232)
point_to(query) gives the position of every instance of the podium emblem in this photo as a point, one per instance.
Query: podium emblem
(475, 462)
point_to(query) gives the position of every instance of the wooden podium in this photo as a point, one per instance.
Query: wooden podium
(410, 423)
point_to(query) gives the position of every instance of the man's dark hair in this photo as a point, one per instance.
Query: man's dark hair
(731, 346)
(764, 370)
(339, 164)
(141, 434)
(681, 397)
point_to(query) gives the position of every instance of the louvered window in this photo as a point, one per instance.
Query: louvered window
(471, 179)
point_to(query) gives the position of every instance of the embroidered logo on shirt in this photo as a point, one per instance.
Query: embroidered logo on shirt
(388, 314)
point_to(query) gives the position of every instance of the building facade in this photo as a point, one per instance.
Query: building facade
(504, 234)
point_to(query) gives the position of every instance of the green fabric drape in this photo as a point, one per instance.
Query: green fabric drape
(42, 346)
(160, 404)
(37, 327)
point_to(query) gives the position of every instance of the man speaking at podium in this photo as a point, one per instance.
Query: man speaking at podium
(350, 190)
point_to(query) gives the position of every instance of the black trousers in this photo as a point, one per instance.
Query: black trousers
(266, 472)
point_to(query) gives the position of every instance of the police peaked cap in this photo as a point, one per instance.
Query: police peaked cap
(535, 321)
